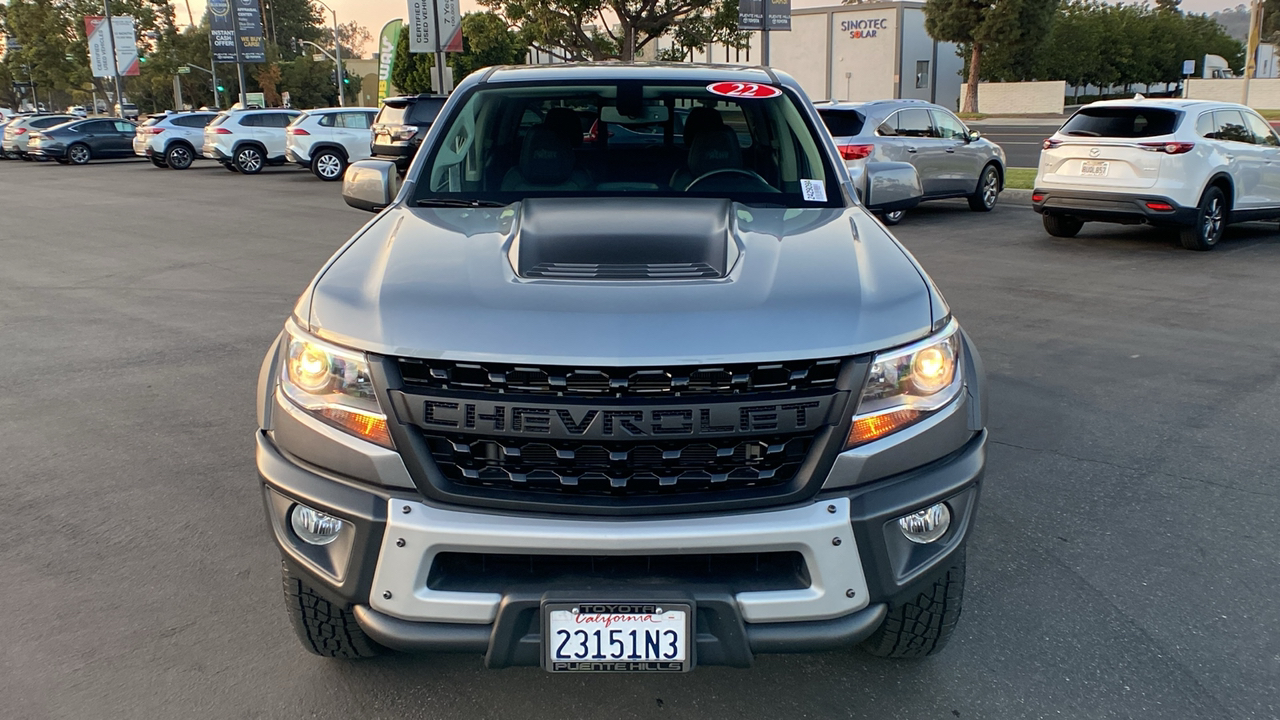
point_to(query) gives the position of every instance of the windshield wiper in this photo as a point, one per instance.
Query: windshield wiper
(458, 202)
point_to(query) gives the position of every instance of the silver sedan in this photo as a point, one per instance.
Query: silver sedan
(951, 160)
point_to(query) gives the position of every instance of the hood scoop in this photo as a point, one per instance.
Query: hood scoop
(623, 239)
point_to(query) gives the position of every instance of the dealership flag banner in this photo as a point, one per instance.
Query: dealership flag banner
(388, 39)
(422, 26)
(751, 14)
(777, 15)
(126, 42)
(249, 31)
(224, 31)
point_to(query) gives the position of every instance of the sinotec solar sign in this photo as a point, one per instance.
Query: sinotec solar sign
(868, 28)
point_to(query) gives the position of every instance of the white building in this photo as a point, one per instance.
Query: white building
(869, 51)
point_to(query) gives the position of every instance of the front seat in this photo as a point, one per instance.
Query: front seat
(713, 150)
(546, 163)
(700, 120)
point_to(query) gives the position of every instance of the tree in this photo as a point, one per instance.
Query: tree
(1013, 25)
(411, 73)
(353, 36)
(603, 29)
(1097, 43)
(719, 26)
(486, 41)
(285, 22)
(309, 83)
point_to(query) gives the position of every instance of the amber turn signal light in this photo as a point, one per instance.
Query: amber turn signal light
(874, 427)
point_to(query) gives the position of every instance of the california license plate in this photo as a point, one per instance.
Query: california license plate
(1096, 168)
(616, 637)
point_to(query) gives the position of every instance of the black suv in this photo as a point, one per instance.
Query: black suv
(401, 124)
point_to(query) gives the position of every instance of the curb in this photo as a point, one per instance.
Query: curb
(1021, 197)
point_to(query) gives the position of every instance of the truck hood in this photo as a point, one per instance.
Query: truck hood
(448, 283)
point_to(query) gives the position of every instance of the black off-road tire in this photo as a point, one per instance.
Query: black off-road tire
(1211, 221)
(921, 625)
(324, 627)
(1063, 226)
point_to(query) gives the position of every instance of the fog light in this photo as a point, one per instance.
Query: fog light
(927, 525)
(313, 526)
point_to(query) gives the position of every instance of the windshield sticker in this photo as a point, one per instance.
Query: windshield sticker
(743, 90)
(813, 190)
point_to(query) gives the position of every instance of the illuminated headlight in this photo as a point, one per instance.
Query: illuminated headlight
(927, 525)
(334, 385)
(314, 527)
(906, 385)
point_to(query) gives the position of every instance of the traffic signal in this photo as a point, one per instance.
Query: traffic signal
(142, 58)
(221, 89)
(346, 78)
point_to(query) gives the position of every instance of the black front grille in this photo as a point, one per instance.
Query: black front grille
(622, 468)
(740, 572)
(566, 381)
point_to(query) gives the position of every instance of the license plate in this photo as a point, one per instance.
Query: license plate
(1097, 168)
(616, 637)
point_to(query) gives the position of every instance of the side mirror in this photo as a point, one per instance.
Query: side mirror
(974, 136)
(370, 184)
(891, 186)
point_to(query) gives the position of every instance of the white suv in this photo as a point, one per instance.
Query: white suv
(326, 140)
(247, 140)
(170, 140)
(1194, 165)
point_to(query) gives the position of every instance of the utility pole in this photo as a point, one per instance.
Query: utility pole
(1251, 51)
(111, 40)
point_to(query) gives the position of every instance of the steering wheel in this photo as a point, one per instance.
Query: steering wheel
(764, 184)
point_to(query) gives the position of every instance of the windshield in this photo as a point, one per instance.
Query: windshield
(221, 118)
(1122, 122)
(660, 140)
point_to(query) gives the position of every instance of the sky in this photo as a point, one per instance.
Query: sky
(374, 13)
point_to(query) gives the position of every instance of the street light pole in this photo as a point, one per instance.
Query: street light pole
(337, 52)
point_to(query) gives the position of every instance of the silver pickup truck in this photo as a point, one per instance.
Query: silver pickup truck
(622, 377)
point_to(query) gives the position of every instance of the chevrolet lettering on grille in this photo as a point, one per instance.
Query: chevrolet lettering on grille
(615, 422)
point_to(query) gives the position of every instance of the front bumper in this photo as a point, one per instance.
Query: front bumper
(856, 560)
(1124, 208)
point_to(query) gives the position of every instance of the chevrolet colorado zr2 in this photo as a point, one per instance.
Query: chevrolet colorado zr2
(623, 406)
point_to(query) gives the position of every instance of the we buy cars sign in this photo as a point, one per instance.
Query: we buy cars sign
(125, 40)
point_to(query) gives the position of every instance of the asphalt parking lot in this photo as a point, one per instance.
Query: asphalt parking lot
(1021, 143)
(1124, 563)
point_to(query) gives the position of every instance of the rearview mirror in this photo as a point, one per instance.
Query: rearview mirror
(891, 186)
(370, 184)
(974, 136)
(651, 114)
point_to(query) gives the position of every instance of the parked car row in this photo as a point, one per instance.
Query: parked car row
(950, 160)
